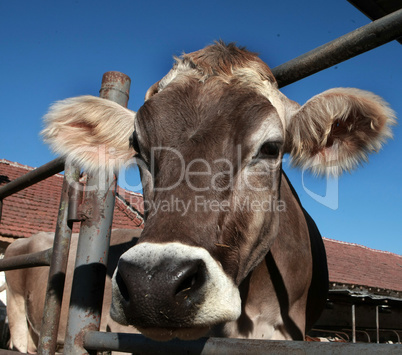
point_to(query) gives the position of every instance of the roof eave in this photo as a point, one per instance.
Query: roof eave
(363, 292)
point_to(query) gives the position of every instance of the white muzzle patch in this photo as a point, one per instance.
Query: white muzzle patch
(222, 301)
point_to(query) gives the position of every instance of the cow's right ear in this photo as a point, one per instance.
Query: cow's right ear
(335, 130)
(90, 131)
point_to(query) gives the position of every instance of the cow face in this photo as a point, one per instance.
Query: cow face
(214, 164)
(210, 150)
(209, 141)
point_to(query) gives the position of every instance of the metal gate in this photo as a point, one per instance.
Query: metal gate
(82, 335)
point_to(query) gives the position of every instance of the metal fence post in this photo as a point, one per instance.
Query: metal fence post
(377, 324)
(93, 243)
(58, 266)
(353, 323)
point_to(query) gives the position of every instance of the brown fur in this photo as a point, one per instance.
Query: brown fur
(220, 60)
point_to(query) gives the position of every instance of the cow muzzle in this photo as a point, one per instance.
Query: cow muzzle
(172, 290)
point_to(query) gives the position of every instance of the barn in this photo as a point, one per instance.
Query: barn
(365, 294)
(365, 297)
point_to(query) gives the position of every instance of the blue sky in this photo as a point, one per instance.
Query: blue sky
(51, 50)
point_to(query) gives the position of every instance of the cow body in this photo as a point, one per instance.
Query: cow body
(227, 248)
(26, 288)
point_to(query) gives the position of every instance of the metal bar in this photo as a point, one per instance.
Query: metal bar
(115, 87)
(74, 201)
(363, 39)
(90, 266)
(93, 243)
(360, 331)
(140, 345)
(377, 324)
(353, 323)
(43, 172)
(367, 334)
(397, 335)
(58, 267)
(41, 258)
(389, 331)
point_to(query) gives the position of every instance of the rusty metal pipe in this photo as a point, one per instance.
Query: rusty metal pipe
(43, 172)
(58, 267)
(363, 39)
(41, 258)
(94, 239)
(115, 87)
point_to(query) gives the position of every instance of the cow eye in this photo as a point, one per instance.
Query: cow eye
(269, 150)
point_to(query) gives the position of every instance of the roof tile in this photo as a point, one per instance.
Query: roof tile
(35, 208)
(355, 264)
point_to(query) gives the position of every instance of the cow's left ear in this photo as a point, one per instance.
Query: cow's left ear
(335, 130)
(91, 131)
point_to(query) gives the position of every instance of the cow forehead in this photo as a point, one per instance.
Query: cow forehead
(252, 73)
(220, 129)
(245, 110)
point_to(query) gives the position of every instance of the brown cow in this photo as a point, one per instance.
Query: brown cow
(26, 288)
(227, 249)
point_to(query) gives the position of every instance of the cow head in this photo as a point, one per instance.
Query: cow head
(209, 141)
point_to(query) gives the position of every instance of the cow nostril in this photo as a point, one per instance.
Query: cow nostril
(187, 284)
(122, 287)
(192, 278)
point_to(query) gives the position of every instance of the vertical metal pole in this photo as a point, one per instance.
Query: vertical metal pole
(353, 323)
(377, 323)
(57, 273)
(93, 243)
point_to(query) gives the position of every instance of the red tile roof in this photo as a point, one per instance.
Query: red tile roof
(35, 208)
(358, 265)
